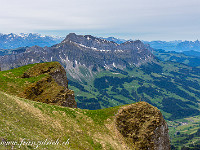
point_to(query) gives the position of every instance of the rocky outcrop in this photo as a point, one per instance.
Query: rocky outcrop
(143, 127)
(52, 88)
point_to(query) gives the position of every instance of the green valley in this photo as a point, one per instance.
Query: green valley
(173, 88)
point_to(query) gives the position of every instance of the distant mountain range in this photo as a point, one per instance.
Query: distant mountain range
(189, 57)
(83, 51)
(13, 41)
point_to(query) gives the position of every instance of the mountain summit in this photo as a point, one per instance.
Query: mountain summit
(105, 52)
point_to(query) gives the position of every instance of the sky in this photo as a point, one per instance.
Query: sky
(128, 19)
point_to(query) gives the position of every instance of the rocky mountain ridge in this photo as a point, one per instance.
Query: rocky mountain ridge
(85, 51)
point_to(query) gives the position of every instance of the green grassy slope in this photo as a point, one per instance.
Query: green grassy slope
(25, 121)
(11, 81)
(27, 124)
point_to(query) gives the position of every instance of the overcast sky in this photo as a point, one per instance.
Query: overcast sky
(129, 19)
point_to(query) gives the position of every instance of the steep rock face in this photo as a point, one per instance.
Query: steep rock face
(106, 52)
(143, 127)
(52, 88)
(161, 137)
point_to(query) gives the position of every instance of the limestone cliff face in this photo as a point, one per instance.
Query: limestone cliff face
(52, 87)
(143, 127)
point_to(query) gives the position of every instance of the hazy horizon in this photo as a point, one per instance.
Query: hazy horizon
(98, 37)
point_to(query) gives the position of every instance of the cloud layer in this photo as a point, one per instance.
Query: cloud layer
(137, 19)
